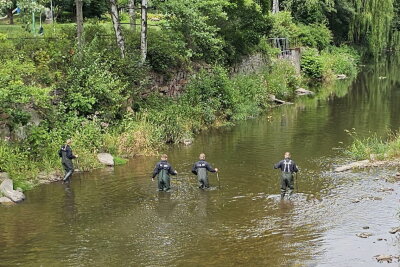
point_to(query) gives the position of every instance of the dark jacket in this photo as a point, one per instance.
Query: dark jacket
(202, 164)
(163, 165)
(286, 165)
(65, 153)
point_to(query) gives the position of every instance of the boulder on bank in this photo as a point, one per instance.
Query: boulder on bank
(302, 91)
(5, 200)
(3, 176)
(106, 159)
(7, 190)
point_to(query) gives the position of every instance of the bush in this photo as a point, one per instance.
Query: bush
(311, 64)
(315, 35)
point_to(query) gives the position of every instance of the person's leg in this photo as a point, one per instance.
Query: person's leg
(283, 186)
(206, 184)
(69, 168)
(291, 185)
(167, 183)
(160, 184)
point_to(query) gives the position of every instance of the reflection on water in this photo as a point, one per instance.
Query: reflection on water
(116, 217)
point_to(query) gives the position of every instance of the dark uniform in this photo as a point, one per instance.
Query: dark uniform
(288, 167)
(66, 156)
(200, 168)
(163, 169)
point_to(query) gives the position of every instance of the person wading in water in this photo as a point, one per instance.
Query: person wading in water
(200, 168)
(66, 156)
(163, 169)
(288, 167)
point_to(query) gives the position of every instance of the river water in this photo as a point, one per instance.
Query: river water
(115, 217)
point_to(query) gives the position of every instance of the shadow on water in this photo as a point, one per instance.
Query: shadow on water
(116, 217)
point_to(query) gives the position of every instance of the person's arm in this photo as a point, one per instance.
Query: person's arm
(172, 171)
(194, 169)
(278, 165)
(295, 169)
(210, 168)
(155, 171)
(60, 152)
(69, 153)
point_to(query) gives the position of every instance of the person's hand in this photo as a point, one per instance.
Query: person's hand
(152, 179)
(76, 156)
(216, 169)
(176, 172)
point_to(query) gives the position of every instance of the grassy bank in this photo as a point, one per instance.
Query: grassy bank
(51, 92)
(374, 147)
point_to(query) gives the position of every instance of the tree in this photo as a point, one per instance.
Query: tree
(117, 27)
(132, 14)
(79, 22)
(143, 32)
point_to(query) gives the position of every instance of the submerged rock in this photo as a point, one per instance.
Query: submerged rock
(7, 189)
(357, 164)
(187, 141)
(395, 230)
(364, 235)
(387, 258)
(106, 159)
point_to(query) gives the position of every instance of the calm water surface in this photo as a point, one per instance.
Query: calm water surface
(115, 217)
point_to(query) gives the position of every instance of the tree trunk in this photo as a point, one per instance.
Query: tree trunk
(132, 14)
(275, 6)
(143, 33)
(117, 27)
(79, 22)
(10, 16)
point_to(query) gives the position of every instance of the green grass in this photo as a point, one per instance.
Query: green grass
(381, 148)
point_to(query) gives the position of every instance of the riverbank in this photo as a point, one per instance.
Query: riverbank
(106, 104)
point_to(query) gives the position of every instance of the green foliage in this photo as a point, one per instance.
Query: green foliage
(315, 35)
(325, 65)
(311, 64)
(166, 51)
(195, 20)
(242, 31)
(119, 161)
(91, 87)
(371, 24)
(20, 92)
(284, 26)
(362, 148)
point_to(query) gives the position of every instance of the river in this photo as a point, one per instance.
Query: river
(116, 217)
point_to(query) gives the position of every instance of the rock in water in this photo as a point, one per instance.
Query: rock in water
(106, 159)
(6, 188)
(364, 235)
(302, 91)
(394, 230)
(5, 200)
(341, 76)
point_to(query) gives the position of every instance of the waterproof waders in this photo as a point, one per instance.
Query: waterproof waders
(288, 167)
(66, 160)
(200, 169)
(163, 180)
(163, 170)
(202, 177)
(287, 181)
